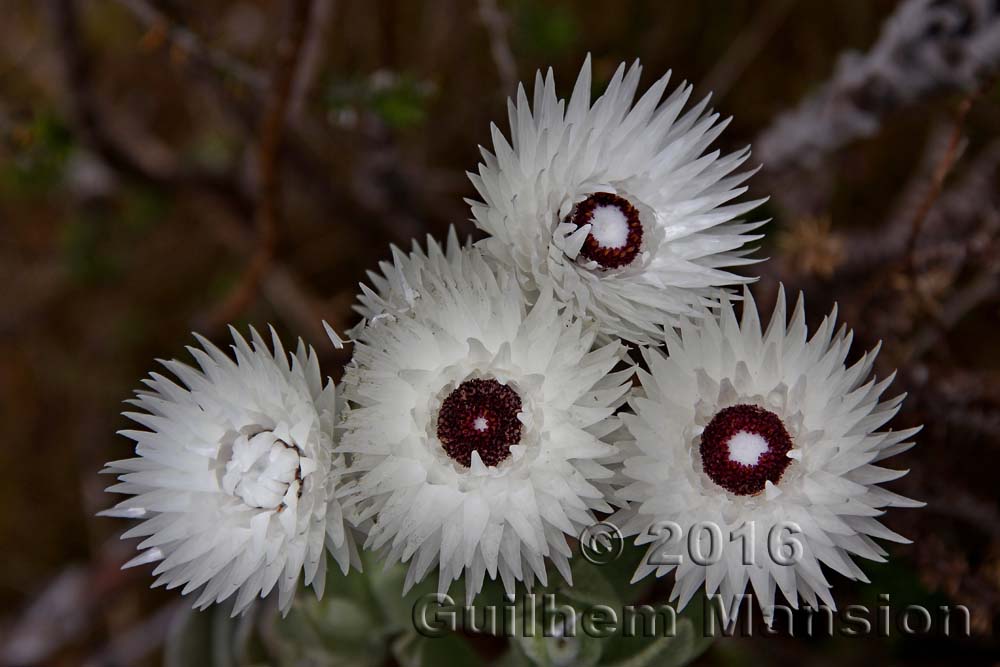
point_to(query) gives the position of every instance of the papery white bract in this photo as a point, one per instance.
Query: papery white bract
(397, 288)
(235, 479)
(477, 428)
(769, 437)
(617, 207)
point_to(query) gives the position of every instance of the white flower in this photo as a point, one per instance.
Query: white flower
(770, 438)
(398, 287)
(236, 482)
(476, 426)
(617, 207)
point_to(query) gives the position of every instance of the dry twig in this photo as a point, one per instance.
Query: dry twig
(268, 204)
(179, 39)
(312, 52)
(746, 46)
(984, 287)
(926, 47)
(85, 111)
(941, 172)
(495, 22)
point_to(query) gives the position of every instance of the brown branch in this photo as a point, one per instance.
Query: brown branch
(291, 298)
(272, 126)
(968, 508)
(312, 52)
(305, 142)
(139, 640)
(745, 48)
(495, 22)
(963, 211)
(179, 40)
(924, 49)
(94, 131)
(941, 171)
(985, 287)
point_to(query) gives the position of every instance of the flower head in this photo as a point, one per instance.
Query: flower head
(616, 206)
(477, 428)
(235, 480)
(754, 458)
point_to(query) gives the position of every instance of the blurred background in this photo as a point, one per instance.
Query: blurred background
(173, 166)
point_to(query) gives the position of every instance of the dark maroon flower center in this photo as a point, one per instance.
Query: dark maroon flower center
(615, 230)
(743, 448)
(479, 415)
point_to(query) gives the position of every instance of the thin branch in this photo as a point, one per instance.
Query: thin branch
(960, 212)
(985, 287)
(68, 607)
(496, 22)
(746, 47)
(312, 52)
(941, 172)
(291, 298)
(963, 506)
(86, 115)
(271, 132)
(177, 38)
(305, 140)
(925, 48)
(139, 640)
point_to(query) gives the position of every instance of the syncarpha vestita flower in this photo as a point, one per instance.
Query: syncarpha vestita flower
(236, 482)
(477, 427)
(765, 436)
(621, 208)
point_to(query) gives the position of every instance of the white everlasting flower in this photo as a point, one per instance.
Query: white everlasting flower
(618, 207)
(476, 426)
(235, 480)
(755, 458)
(397, 288)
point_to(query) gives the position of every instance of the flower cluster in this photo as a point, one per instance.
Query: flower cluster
(584, 360)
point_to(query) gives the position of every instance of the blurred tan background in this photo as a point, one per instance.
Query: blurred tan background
(172, 166)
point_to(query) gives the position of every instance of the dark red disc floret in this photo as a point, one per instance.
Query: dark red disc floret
(479, 415)
(609, 258)
(736, 477)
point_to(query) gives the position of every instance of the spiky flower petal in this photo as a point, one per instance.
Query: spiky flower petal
(396, 288)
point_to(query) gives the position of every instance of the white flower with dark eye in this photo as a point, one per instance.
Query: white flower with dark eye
(236, 482)
(755, 458)
(618, 207)
(398, 287)
(477, 428)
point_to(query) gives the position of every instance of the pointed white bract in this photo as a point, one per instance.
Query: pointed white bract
(475, 361)
(722, 384)
(398, 284)
(649, 160)
(235, 481)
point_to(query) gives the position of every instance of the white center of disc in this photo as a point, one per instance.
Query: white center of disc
(746, 448)
(609, 226)
(480, 424)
